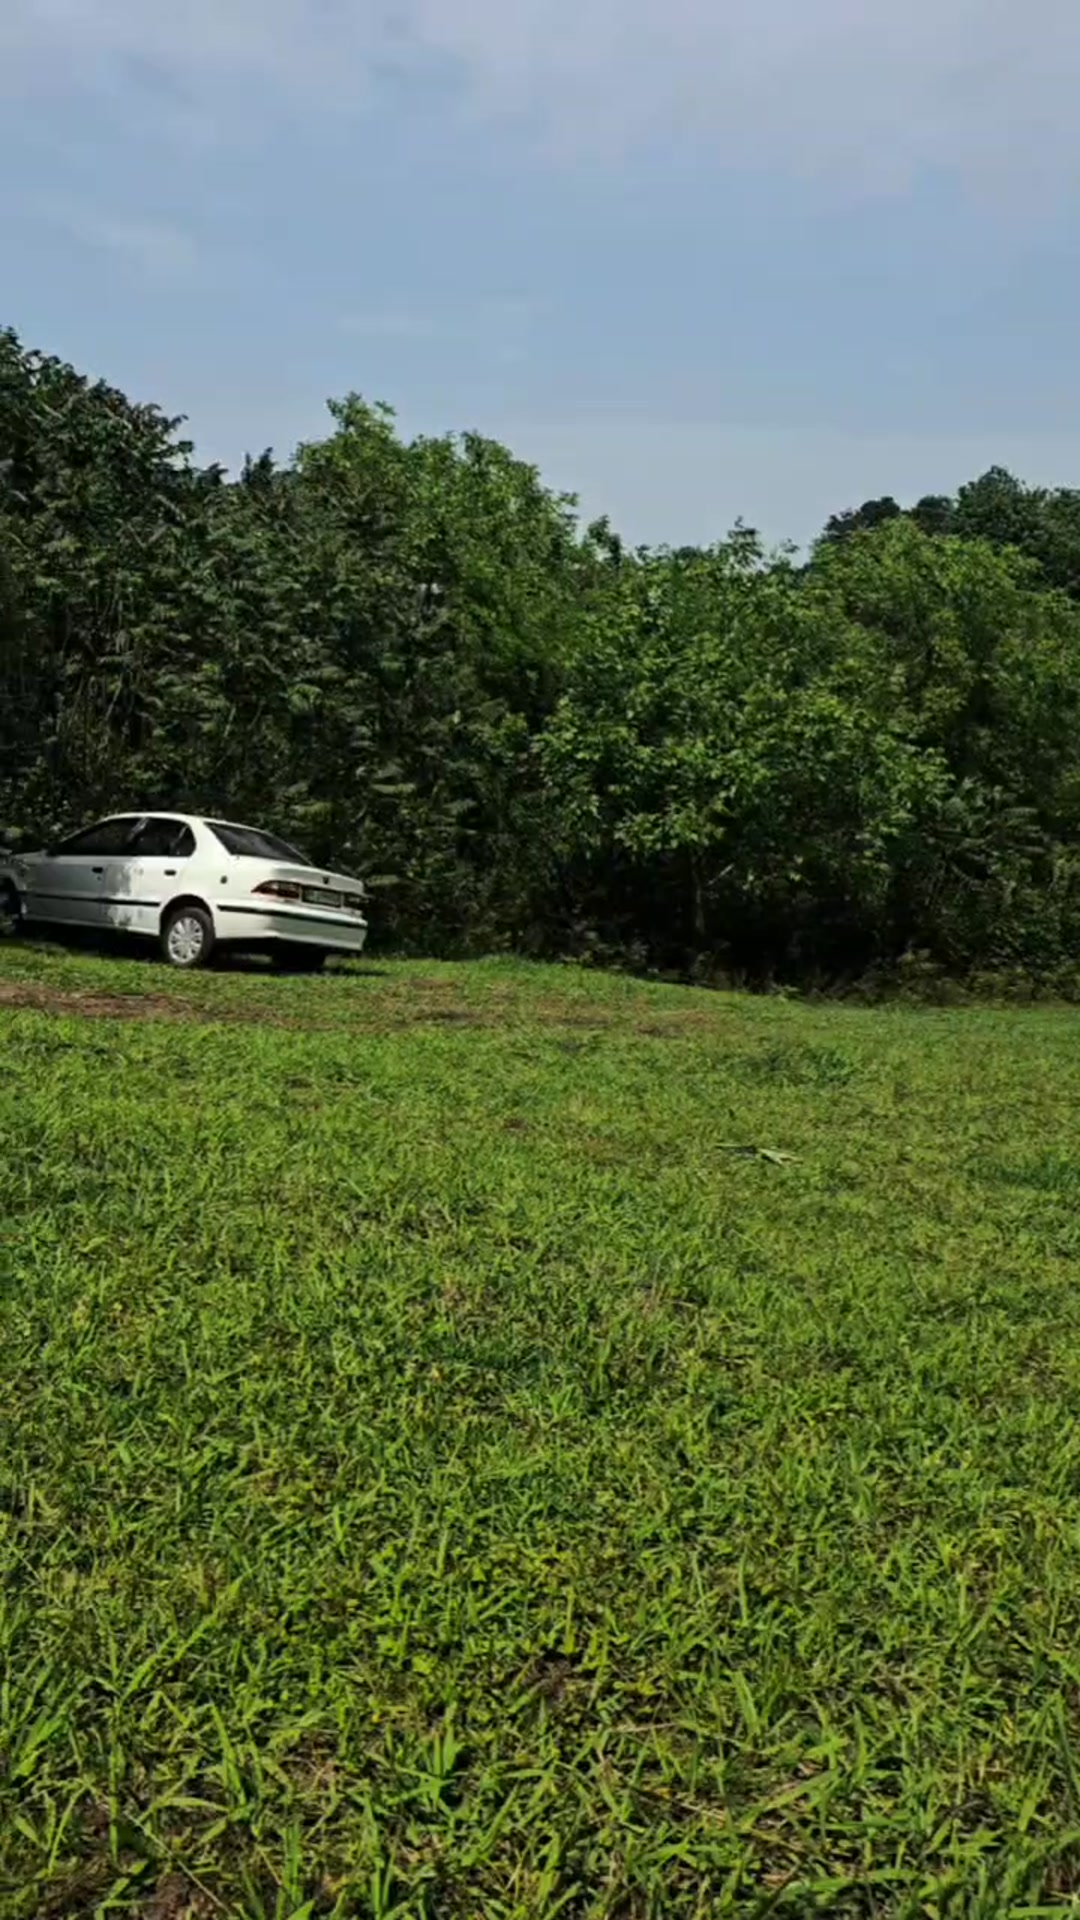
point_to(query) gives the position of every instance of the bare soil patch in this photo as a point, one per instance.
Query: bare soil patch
(106, 1006)
(428, 1004)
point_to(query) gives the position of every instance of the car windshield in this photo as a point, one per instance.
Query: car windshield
(252, 844)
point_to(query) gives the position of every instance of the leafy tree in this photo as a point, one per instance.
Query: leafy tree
(872, 513)
(987, 666)
(736, 760)
(410, 656)
(92, 531)
(1041, 523)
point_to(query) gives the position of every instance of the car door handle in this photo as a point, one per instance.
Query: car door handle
(97, 869)
(170, 873)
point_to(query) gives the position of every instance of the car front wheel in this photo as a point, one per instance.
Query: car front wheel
(187, 938)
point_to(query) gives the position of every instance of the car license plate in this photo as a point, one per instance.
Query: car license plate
(320, 897)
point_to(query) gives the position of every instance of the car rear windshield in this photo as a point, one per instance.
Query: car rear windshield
(251, 843)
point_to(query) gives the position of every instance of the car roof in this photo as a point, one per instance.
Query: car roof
(189, 819)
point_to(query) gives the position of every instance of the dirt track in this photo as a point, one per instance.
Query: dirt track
(426, 1003)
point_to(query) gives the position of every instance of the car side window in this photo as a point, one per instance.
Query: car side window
(165, 840)
(106, 836)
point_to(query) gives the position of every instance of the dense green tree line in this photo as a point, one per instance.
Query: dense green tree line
(413, 657)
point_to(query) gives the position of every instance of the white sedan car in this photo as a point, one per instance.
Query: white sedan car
(192, 885)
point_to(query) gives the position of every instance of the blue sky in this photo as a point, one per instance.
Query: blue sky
(695, 258)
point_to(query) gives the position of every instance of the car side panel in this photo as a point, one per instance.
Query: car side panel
(138, 889)
(67, 891)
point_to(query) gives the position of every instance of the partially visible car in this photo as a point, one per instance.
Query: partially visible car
(192, 884)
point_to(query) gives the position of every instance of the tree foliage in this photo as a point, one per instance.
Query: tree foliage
(411, 656)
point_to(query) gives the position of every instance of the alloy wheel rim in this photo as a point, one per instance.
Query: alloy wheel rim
(186, 939)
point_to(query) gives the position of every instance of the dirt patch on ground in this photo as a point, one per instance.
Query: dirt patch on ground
(110, 1006)
(678, 1023)
(365, 1012)
(368, 1011)
(175, 1898)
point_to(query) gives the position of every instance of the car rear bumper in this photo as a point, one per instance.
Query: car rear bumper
(297, 926)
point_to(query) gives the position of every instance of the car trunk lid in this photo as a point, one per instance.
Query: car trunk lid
(310, 886)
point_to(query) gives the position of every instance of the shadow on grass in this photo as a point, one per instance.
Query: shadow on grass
(119, 946)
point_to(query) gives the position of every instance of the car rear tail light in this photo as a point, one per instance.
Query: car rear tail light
(280, 889)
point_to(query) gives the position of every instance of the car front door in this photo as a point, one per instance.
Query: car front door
(68, 886)
(147, 874)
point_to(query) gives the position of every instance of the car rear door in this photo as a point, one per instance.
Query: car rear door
(148, 874)
(69, 884)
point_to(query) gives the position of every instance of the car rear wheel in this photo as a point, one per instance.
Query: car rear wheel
(11, 911)
(299, 959)
(187, 938)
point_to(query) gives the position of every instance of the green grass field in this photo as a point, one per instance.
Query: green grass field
(499, 1441)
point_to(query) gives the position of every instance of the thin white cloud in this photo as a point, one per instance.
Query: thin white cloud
(497, 321)
(153, 246)
(662, 481)
(403, 328)
(862, 91)
(148, 244)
